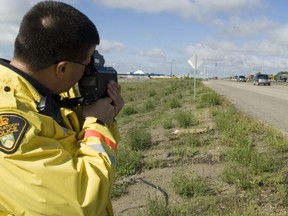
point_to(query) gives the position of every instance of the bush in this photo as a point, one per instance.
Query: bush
(149, 105)
(128, 162)
(185, 119)
(128, 110)
(157, 207)
(167, 123)
(174, 103)
(238, 175)
(188, 185)
(119, 190)
(138, 139)
(209, 99)
(152, 93)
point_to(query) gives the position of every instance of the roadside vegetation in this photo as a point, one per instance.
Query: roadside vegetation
(180, 156)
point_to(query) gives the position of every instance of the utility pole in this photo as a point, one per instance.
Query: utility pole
(171, 68)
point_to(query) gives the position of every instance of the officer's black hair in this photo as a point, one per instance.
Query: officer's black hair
(53, 31)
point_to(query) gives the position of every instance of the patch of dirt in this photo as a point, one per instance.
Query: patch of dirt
(139, 191)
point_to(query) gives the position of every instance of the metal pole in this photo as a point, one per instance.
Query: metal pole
(195, 69)
(171, 68)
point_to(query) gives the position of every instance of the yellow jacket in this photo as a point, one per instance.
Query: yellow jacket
(47, 168)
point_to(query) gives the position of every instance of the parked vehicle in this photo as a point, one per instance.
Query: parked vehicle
(282, 77)
(261, 79)
(241, 79)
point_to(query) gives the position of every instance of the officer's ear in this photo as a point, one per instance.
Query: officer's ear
(60, 69)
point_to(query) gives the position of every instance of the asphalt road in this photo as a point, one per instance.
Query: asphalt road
(267, 103)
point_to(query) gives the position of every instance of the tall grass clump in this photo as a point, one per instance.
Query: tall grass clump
(157, 207)
(238, 175)
(193, 140)
(275, 138)
(246, 163)
(128, 162)
(179, 95)
(174, 103)
(152, 93)
(241, 153)
(187, 185)
(264, 162)
(149, 105)
(128, 110)
(167, 123)
(235, 125)
(247, 156)
(186, 119)
(209, 99)
(119, 190)
(139, 139)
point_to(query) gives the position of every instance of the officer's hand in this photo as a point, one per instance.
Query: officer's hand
(101, 109)
(114, 92)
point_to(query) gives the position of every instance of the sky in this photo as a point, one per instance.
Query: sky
(228, 37)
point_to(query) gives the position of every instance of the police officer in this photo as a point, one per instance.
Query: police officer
(55, 160)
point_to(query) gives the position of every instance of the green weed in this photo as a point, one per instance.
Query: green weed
(188, 185)
(129, 162)
(128, 110)
(138, 139)
(185, 119)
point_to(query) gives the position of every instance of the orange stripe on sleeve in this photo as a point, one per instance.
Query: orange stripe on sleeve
(90, 133)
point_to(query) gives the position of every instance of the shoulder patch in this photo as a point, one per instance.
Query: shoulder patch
(12, 130)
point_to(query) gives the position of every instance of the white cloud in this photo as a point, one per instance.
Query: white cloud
(186, 8)
(251, 57)
(265, 48)
(8, 33)
(150, 6)
(11, 13)
(279, 36)
(222, 14)
(212, 49)
(226, 7)
(108, 46)
(238, 27)
(157, 53)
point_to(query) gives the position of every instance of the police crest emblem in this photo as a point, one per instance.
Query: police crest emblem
(12, 130)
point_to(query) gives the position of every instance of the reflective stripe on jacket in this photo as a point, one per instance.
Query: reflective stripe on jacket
(47, 168)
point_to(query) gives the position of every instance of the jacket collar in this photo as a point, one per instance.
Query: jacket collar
(39, 87)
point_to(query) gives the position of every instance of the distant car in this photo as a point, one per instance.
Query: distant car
(241, 79)
(261, 79)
